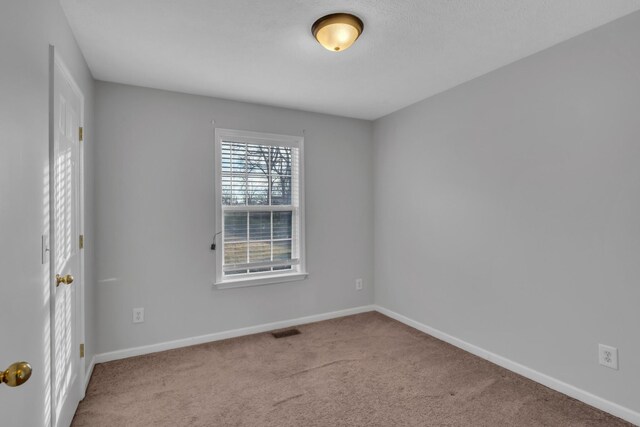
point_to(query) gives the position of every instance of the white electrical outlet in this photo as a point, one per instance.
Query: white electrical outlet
(138, 315)
(358, 284)
(608, 356)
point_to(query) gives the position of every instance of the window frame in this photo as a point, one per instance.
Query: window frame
(261, 278)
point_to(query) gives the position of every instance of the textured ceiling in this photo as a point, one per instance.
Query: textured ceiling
(262, 51)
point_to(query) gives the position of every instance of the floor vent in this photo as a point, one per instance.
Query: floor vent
(285, 333)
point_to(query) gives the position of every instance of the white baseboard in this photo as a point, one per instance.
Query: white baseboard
(89, 372)
(185, 342)
(553, 383)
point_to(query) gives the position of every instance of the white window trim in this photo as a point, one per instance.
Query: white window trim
(268, 139)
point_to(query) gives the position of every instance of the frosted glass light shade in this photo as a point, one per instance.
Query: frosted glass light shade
(338, 31)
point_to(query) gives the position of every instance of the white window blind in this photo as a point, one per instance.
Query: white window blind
(260, 209)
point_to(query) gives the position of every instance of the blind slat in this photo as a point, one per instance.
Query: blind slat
(249, 265)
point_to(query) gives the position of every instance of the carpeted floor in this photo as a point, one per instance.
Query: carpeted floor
(362, 370)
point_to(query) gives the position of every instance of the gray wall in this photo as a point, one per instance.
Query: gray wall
(27, 27)
(507, 211)
(155, 190)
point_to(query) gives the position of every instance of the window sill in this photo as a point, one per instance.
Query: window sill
(259, 281)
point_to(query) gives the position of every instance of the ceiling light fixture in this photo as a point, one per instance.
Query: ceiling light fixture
(338, 31)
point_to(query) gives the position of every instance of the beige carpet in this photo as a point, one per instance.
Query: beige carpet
(362, 370)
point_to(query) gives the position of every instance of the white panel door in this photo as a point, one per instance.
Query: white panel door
(65, 251)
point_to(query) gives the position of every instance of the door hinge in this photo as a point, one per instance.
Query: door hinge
(81, 133)
(81, 241)
(82, 350)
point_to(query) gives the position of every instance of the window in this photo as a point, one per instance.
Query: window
(260, 208)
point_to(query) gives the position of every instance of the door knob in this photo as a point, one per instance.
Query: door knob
(16, 374)
(67, 280)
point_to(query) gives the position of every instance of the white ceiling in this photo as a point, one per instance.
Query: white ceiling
(262, 51)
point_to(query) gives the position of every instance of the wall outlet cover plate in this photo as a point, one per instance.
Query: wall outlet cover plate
(608, 356)
(138, 315)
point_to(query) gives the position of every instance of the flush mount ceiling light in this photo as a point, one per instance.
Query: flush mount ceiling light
(338, 31)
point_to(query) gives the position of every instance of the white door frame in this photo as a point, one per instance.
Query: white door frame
(55, 60)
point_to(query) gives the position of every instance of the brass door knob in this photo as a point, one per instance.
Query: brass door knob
(67, 280)
(16, 374)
